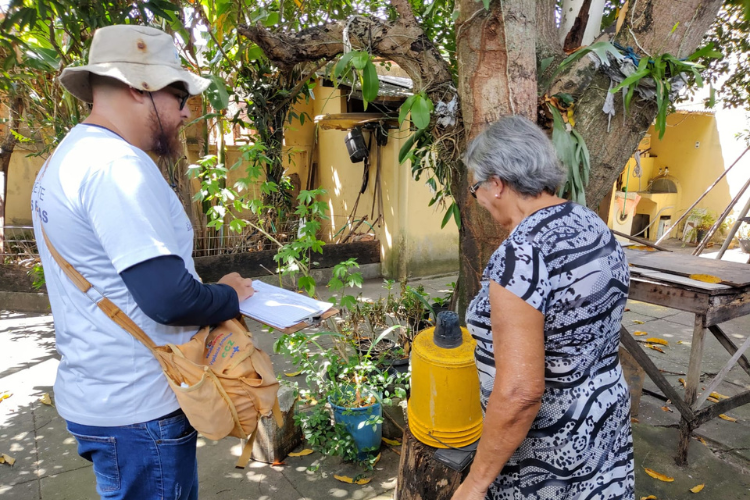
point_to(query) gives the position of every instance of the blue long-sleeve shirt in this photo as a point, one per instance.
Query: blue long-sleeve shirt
(167, 293)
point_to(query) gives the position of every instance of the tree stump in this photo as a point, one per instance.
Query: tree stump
(273, 444)
(421, 476)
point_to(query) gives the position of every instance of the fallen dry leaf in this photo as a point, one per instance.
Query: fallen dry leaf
(667, 408)
(302, 453)
(681, 342)
(637, 322)
(377, 459)
(293, 374)
(45, 399)
(655, 347)
(642, 248)
(277, 463)
(698, 438)
(660, 477)
(391, 442)
(347, 479)
(727, 418)
(7, 459)
(696, 489)
(638, 334)
(718, 396)
(635, 420)
(655, 340)
(705, 278)
(627, 309)
(5, 395)
(712, 399)
(650, 497)
(682, 381)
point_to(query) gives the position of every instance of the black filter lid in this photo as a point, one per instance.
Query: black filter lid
(447, 331)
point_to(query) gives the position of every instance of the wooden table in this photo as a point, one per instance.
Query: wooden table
(662, 278)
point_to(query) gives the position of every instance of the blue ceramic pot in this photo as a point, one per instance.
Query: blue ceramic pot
(366, 439)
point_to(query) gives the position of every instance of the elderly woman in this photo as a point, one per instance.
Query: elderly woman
(547, 326)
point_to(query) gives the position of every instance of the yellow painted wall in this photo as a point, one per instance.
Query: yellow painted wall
(299, 139)
(412, 243)
(21, 174)
(693, 168)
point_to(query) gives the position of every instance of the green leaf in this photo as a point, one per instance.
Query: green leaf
(254, 52)
(348, 301)
(360, 59)
(341, 66)
(430, 7)
(404, 151)
(712, 97)
(217, 92)
(370, 82)
(420, 111)
(307, 283)
(585, 156)
(545, 63)
(271, 20)
(405, 107)
(705, 51)
(447, 217)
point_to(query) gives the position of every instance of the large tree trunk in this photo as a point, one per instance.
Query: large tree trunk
(6, 151)
(497, 76)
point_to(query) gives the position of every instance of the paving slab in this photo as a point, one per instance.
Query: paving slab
(78, 484)
(24, 491)
(655, 449)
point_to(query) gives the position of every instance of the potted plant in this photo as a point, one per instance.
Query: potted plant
(346, 392)
(743, 235)
(702, 221)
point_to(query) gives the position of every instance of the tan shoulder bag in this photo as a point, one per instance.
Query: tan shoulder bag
(222, 381)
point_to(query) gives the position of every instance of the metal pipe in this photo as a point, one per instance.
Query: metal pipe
(723, 216)
(733, 230)
(669, 229)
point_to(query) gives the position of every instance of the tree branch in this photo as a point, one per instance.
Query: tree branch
(574, 38)
(402, 41)
(404, 10)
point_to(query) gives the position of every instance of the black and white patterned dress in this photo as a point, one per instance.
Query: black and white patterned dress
(565, 263)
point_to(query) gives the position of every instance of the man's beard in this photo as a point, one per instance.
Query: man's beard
(166, 141)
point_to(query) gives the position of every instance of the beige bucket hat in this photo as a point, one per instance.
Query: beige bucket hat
(142, 57)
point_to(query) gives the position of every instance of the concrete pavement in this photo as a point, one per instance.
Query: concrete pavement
(48, 466)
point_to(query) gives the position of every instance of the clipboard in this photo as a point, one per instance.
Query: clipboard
(304, 324)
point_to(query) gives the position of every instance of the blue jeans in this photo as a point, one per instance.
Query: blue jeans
(151, 460)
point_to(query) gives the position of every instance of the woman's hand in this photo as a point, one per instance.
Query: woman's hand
(469, 491)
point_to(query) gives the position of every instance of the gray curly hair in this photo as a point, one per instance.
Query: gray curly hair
(519, 153)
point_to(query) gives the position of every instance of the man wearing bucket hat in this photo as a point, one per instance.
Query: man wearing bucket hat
(109, 213)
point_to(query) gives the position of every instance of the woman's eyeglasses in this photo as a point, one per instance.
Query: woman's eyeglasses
(473, 188)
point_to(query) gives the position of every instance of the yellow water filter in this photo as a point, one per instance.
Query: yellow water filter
(444, 409)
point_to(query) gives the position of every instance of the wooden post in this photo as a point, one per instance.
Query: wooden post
(691, 388)
(421, 476)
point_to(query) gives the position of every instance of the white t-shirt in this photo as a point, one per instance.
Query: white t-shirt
(106, 207)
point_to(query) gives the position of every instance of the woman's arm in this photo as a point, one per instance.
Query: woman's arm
(518, 337)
